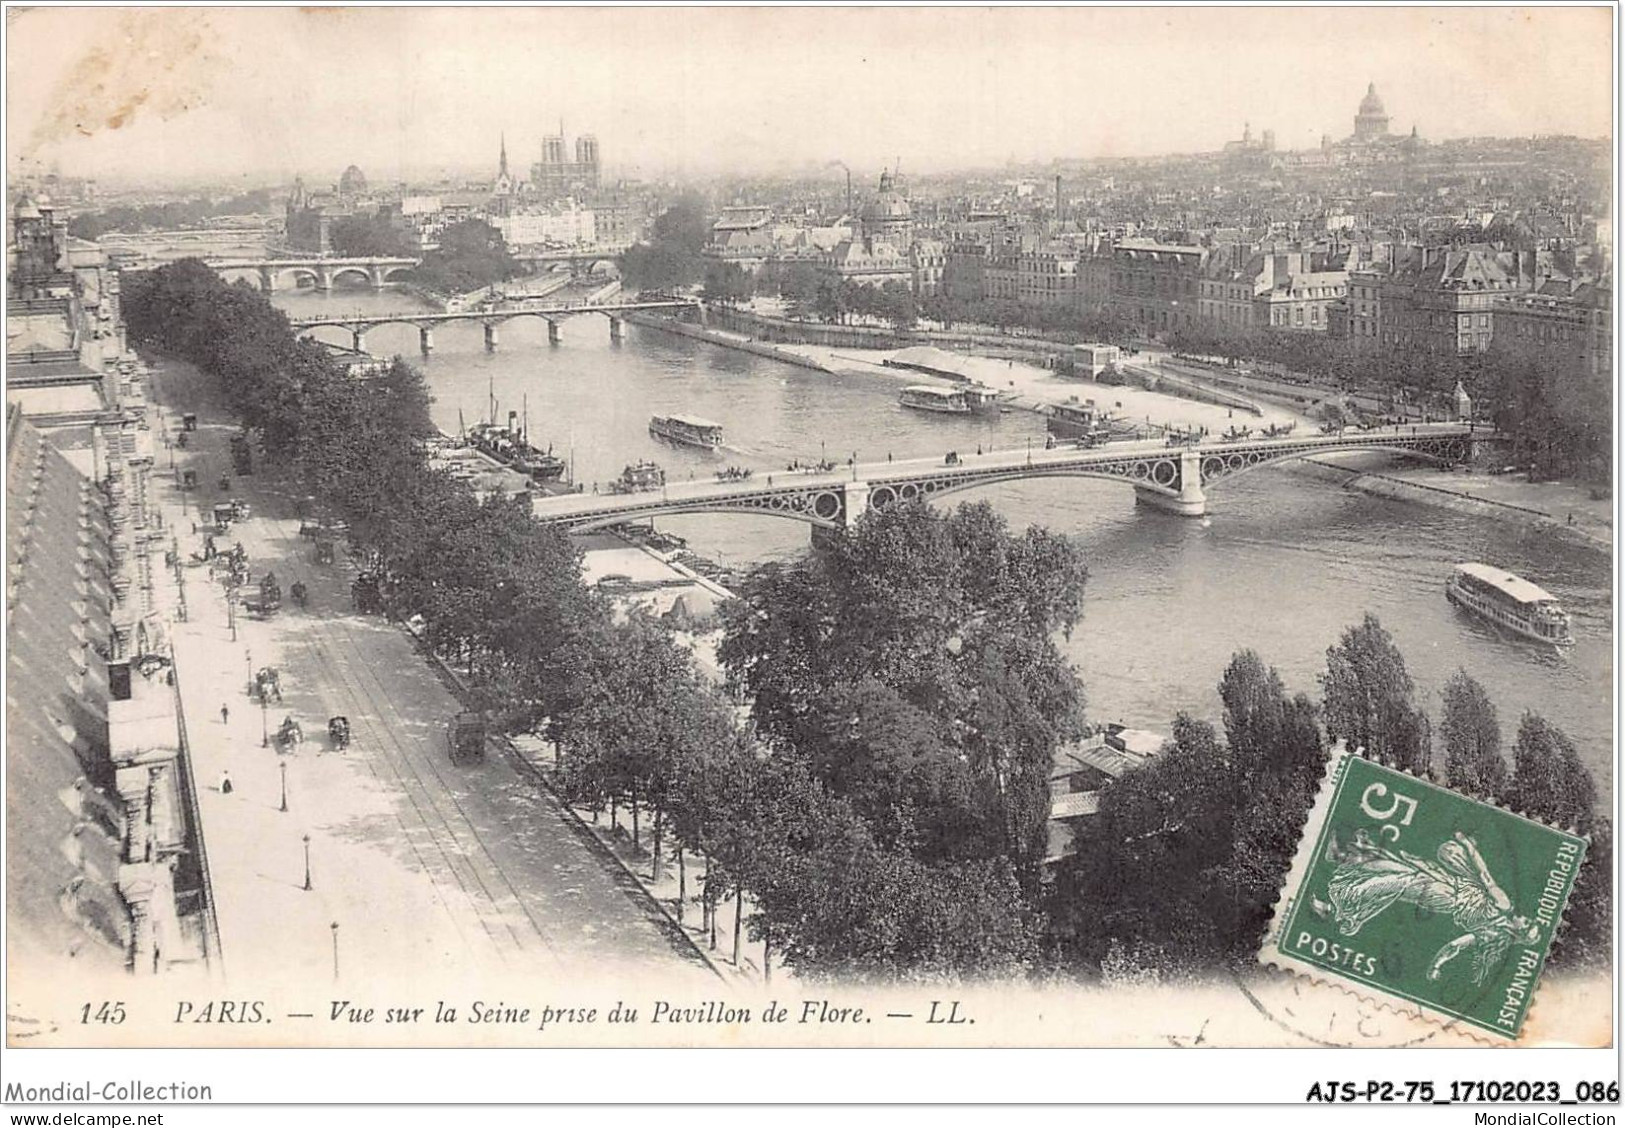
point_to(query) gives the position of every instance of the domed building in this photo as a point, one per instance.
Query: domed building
(887, 218)
(353, 183)
(1371, 120)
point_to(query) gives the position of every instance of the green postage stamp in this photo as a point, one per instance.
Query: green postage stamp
(1422, 898)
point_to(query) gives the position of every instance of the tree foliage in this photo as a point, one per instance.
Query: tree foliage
(911, 667)
(672, 257)
(1471, 736)
(365, 235)
(1181, 866)
(471, 254)
(1368, 699)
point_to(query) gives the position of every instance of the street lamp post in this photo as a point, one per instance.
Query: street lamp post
(307, 863)
(231, 613)
(335, 927)
(284, 806)
(265, 732)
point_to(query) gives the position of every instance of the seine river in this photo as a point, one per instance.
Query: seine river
(1282, 564)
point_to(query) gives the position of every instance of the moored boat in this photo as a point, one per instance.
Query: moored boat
(932, 397)
(690, 430)
(1509, 601)
(1073, 420)
(509, 446)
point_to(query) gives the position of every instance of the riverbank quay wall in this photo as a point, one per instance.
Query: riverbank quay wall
(725, 340)
(1454, 497)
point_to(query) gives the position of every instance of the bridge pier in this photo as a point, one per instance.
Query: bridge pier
(426, 339)
(1190, 501)
(555, 331)
(855, 503)
(267, 280)
(617, 331)
(324, 279)
(358, 340)
(490, 337)
(376, 274)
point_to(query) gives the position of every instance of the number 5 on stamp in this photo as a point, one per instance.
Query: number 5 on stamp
(1422, 898)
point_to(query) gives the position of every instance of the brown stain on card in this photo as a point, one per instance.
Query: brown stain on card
(152, 62)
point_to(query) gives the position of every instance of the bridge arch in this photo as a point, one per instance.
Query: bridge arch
(1221, 465)
(606, 267)
(391, 271)
(1159, 475)
(823, 508)
(348, 271)
(299, 273)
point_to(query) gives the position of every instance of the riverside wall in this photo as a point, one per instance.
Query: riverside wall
(724, 339)
(1454, 497)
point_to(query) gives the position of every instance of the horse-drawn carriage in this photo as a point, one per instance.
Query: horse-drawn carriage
(338, 732)
(269, 600)
(289, 735)
(324, 549)
(268, 684)
(298, 593)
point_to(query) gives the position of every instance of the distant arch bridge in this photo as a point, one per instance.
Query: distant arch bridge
(554, 313)
(321, 270)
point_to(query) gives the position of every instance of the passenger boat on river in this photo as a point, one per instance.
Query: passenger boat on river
(1509, 601)
(1073, 420)
(690, 430)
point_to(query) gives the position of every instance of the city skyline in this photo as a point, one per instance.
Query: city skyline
(210, 93)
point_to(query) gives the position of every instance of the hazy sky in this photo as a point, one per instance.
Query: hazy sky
(124, 92)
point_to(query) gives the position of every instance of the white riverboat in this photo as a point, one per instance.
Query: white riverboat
(1509, 601)
(933, 397)
(690, 430)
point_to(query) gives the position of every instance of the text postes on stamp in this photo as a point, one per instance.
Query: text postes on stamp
(1434, 902)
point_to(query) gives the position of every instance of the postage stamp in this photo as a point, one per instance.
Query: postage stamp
(1422, 898)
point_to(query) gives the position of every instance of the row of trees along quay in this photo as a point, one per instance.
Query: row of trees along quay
(871, 785)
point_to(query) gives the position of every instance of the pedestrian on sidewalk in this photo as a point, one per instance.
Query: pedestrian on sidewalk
(225, 782)
(225, 714)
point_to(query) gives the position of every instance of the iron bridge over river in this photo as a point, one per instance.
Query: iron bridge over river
(1173, 479)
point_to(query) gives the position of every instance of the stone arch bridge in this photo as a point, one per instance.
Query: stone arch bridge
(554, 313)
(322, 271)
(1172, 479)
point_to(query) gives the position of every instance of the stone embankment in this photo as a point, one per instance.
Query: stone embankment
(1574, 519)
(722, 337)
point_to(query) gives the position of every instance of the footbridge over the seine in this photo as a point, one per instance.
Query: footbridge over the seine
(323, 271)
(554, 313)
(1173, 479)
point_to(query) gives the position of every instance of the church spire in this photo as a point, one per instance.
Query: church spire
(502, 168)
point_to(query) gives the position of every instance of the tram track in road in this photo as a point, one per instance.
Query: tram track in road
(337, 657)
